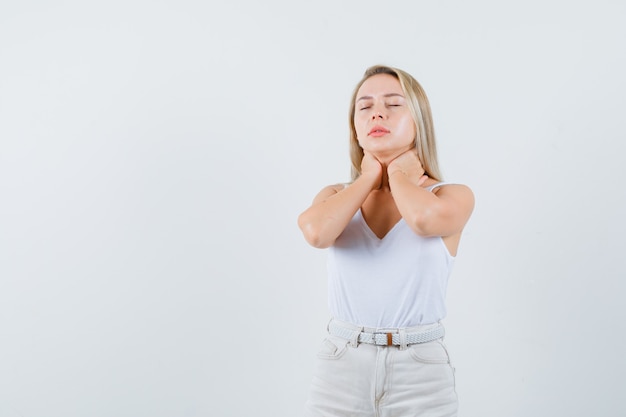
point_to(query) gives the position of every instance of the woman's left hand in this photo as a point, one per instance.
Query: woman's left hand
(408, 164)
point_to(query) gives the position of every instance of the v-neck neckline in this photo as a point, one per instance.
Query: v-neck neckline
(371, 233)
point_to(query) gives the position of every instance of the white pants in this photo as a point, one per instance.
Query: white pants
(382, 381)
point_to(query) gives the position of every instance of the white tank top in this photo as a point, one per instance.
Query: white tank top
(394, 282)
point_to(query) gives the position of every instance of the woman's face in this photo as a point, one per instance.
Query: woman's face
(384, 125)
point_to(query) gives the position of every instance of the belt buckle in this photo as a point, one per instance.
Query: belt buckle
(389, 338)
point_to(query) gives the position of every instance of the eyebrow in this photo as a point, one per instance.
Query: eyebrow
(385, 95)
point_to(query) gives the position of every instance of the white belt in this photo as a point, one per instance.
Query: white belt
(389, 338)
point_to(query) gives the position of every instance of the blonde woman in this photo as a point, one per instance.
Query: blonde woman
(392, 234)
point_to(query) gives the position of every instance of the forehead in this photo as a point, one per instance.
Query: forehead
(380, 84)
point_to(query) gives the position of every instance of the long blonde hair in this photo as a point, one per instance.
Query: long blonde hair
(420, 109)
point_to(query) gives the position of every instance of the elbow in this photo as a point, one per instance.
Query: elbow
(315, 238)
(312, 234)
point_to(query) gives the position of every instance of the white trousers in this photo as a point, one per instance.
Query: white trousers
(382, 381)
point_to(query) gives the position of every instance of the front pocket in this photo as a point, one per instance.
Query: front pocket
(332, 348)
(430, 352)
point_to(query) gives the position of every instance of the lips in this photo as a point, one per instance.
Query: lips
(377, 131)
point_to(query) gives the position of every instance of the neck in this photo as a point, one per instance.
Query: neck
(384, 181)
(386, 157)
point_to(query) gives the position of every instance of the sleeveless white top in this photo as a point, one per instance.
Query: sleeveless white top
(394, 282)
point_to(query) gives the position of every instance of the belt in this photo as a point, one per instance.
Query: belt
(389, 337)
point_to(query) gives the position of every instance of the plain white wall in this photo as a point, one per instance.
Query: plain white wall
(154, 157)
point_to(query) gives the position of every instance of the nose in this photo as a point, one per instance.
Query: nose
(377, 115)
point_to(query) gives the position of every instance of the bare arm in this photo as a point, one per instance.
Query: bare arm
(334, 207)
(441, 213)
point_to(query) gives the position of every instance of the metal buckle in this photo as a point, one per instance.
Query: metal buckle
(389, 338)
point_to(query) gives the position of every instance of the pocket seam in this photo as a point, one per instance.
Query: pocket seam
(421, 359)
(339, 351)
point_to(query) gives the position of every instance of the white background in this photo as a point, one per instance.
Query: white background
(154, 156)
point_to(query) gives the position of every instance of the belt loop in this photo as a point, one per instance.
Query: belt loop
(402, 337)
(354, 340)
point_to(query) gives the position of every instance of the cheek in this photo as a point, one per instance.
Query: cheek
(360, 126)
(407, 128)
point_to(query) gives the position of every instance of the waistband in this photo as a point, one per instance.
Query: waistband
(386, 337)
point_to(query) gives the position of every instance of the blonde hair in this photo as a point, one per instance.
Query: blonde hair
(419, 107)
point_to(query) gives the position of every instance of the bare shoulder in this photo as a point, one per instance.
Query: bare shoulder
(328, 191)
(460, 194)
(452, 188)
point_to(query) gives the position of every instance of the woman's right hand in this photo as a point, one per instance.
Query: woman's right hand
(372, 168)
(335, 205)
